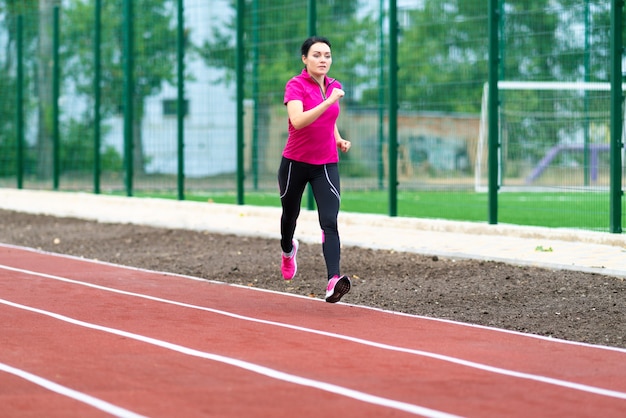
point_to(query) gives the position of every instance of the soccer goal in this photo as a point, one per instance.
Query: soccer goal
(553, 135)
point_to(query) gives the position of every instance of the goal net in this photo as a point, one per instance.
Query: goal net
(553, 135)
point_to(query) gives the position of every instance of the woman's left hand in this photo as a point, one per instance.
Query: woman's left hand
(344, 145)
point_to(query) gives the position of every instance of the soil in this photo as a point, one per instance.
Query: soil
(569, 305)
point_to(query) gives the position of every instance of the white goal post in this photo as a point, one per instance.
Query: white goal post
(569, 113)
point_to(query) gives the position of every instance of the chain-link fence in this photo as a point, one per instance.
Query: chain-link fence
(185, 98)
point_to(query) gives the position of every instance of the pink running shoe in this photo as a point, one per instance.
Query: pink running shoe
(337, 287)
(288, 265)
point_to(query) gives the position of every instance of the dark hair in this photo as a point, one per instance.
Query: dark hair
(306, 45)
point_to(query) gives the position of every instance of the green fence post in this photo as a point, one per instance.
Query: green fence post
(256, 118)
(587, 68)
(494, 137)
(312, 29)
(128, 95)
(240, 97)
(97, 76)
(19, 108)
(56, 75)
(616, 116)
(393, 108)
(180, 108)
(381, 93)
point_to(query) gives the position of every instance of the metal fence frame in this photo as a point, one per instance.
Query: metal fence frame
(494, 14)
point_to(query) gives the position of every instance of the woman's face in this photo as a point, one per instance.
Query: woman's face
(318, 60)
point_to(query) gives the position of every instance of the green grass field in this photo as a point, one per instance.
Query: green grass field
(557, 210)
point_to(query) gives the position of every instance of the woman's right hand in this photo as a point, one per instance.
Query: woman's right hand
(335, 95)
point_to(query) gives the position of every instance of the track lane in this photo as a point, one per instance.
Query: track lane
(503, 401)
(508, 350)
(167, 379)
(265, 303)
(26, 395)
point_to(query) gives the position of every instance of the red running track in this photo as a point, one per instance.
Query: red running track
(87, 339)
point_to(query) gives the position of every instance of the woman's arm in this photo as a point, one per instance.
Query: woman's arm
(301, 119)
(343, 144)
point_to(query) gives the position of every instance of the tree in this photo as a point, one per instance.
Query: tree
(45, 88)
(154, 56)
(443, 55)
(10, 10)
(274, 31)
(155, 52)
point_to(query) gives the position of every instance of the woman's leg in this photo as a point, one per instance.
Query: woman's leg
(291, 183)
(326, 190)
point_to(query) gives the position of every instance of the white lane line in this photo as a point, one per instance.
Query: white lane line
(449, 359)
(70, 393)
(552, 340)
(255, 368)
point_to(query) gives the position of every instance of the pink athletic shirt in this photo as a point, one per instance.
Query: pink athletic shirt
(316, 143)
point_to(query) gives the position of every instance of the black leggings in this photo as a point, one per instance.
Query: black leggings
(293, 177)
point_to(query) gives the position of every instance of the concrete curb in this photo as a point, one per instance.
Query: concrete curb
(588, 251)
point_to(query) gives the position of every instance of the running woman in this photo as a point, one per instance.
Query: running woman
(311, 156)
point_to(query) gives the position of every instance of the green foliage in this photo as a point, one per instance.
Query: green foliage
(77, 149)
(28, 9)
(274, 31)
(154, 50)
(443, 56)
(12, 8)
(111, 160)
(9, 9)
(154, 56)
(8, 148)
(8, 159)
